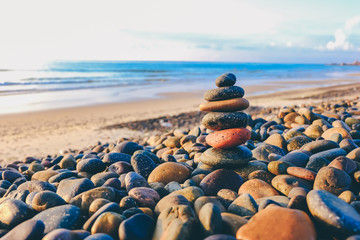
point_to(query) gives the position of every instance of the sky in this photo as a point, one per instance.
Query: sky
(286, 31)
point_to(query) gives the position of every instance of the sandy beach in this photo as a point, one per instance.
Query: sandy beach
(52, 131)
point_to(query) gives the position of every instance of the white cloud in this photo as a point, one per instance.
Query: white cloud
(289, 43)
(341, 35)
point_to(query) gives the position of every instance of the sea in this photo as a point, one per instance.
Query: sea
(62, 84)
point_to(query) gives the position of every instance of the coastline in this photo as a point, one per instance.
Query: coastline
(50, 131)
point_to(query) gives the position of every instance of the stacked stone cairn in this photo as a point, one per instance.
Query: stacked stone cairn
(228, 124)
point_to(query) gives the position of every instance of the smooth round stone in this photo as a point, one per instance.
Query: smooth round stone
(145, 197)
(344, 163)
(348, 196)
(120, 167)
(68, 162)
(28, 230)
(127, 147)
(170, 200)
(257, 189)
(297, 142)
(142, 164)
(65, 216)
(132, 180)
(276, 140)
(13, 212)
(113, 157)
(333, 212)
(172, 142)
(263, 151)
(278, 167)
(168, 172)
(109, 207)
(228, 138)
(69, 188)
(100, 178)
(97, 204)
(11, 175)
(90, 165)
(108, 222)
(332, 180)
(328, 133)
(220, 179)
(224, 93)
(225, 80)
(278, 223)
(284, 183)
(314, 131)
(35, 167)
(246, 169)
(224, 120)
(244, 205)
(176, 222)
(217, 157)
(230, 105)
(83, 200)
(262, 175)
(301, 173)
(210, 219)
(316, 164)
(319, 146)
(65, 234)
(296, 158)
(138, 227)
(354, 155)
(329, 154)
(190, 193)
(46, 199)
(61, 176)
(44, 175)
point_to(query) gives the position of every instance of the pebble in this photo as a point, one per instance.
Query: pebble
(223, 120)
(228, 138)
(220, 179)
(244, 205)
(45, 200)
(210, 219)
(90, 165)
(257, 189)
(137, 227)
(13, 212)
(301, 173)
(168, 172)
(144, 197)
(263, 151)
(224, 93)
(142, 164)
(218, 157)
(108, 222)
(30, 229)
(333, 212)
(69, 188)
(278, 223)
(65, 216)
(230, 105)
(332, 180)
(284, 183)
(225, 80)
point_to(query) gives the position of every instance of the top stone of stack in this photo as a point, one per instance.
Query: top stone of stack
(226, 80)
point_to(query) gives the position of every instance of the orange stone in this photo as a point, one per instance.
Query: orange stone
(258, 188)
(290, 117)
(327, 134)
(279, 223)
(168, 172)
(301, 173)
(231, 105)
(228, 138)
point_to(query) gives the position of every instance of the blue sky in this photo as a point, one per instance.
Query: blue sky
(182, 30)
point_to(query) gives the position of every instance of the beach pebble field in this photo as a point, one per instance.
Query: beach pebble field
(292, 173)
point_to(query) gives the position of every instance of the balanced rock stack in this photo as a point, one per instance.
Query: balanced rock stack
(225, 118)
